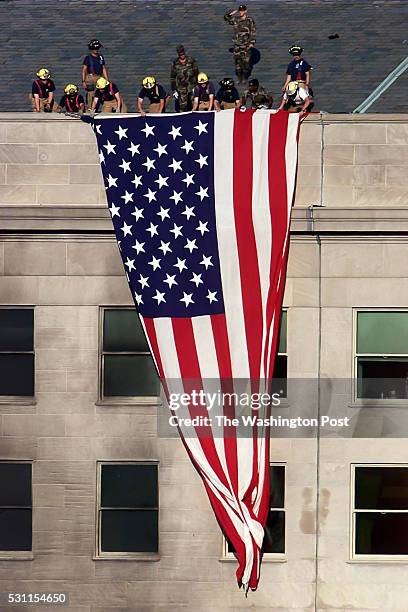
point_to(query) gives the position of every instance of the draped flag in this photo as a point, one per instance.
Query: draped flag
(201, 204)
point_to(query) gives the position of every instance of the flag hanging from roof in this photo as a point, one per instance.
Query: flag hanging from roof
(200, 204)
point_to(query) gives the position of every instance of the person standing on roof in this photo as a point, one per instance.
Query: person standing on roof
(156, 95)
(244, 39)
(107, 98)
(203, 94)
(42, 97)
(183, 78)
(227, 96)
(298, 69)
(93, 67)
(71, 101)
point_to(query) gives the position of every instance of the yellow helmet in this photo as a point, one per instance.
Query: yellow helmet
(149, 82)
(71, 89)
(202, 78)
(101, 83)
(43, 73)
(292, 87)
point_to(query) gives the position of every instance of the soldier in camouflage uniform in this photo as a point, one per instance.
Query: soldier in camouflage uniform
(243, 40)
(183, 79)
(256, 95)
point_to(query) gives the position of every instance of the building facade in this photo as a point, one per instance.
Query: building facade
(93, 503)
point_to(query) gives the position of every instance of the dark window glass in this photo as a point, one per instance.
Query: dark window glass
(381, 533)
(382, 377)
(381, 488)
(16, 329)
(129, 530)
(282, 332)
(15, 484)
(277, 480)
(280, 375)
(15, 529)
(130, 375)
(16, 374)
(122, 332)
(129, 485)
(382, 333)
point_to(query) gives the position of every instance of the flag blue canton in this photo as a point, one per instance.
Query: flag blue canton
(159, 181)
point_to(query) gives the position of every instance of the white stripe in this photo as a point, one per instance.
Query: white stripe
(227, 243)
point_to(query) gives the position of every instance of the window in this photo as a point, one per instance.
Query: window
(274, 540)
(127, 367)
(381, 361)
(379, 511)
(280, 371)
(15, 508)
(16, 352)
(128, 510)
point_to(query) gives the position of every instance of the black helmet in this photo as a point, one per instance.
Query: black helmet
(242, 7)
(227, 83)
(296, 50)
(94, 44)
(253, 83)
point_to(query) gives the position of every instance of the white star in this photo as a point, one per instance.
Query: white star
(187, 298)
(143, 281)
(159, 297)
(160, 149)
(138, 246)
(149, 163)
(125, 166)
(176, 197)
(181, 264)
(165, 247)
(148, 130)
(101, 157)
(150, 194)
(162, 181)
(175, 165)
(189, 180)
(138, 213)
(98, 129)
(170, 280)
(155, 263)
(196, 279)
(202, 228)
(130, 263)
(164, 213)
(188, 212)
(128, 197)
(175, 132)
(211, 296)
(176, 230)
(121, 132)
(138, 299)
(188, 146)
(110, 148)
(201, 127)
(137, 181)
(134, 148)
(126, 229)
(111, 181)
(191, 245)
(203, 193)
(152, 229)
(202, 160)
(206, 261)
(114, 210)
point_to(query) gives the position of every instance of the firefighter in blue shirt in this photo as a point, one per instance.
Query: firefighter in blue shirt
(42, 96)
(298, 69)
(156, 95)
(93, 67)
(71, 101)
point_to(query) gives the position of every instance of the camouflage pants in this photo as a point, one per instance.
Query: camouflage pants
(184, 102)
(242, 59)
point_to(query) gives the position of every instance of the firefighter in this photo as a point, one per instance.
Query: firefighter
(71, 101)
(297, 98)
(93, 67)
(227, 95)
(107, 98)
(155, 93)
(203, 94)
(42, 96)
(298, 69)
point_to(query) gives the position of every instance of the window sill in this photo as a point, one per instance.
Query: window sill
(379, 560)
(16, 556)
(138, 401)
(372, 403)
(18, 400)
(265, 559)
(141, 557)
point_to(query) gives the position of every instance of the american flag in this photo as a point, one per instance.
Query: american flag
(200, 204)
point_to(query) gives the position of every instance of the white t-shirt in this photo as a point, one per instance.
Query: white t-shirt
(301, 95)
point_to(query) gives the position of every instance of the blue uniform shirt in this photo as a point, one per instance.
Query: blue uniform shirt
(297, 69)
(94, 65)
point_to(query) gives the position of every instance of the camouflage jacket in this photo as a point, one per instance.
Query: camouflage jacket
(258, 97)
(244, 29)
(183, 76)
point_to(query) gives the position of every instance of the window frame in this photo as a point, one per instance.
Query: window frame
(117, 555)
(268, 557)
(285, 354)
(21, 399)
(118, 399)
(354, 557)
(28, 555)
(363, 401)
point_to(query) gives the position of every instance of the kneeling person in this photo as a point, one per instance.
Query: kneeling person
(107, 97)
(227, 95)
(297, 98)
(71, 101)
(156, 95)
(203, 94)
(42, 97)
(257, 96)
